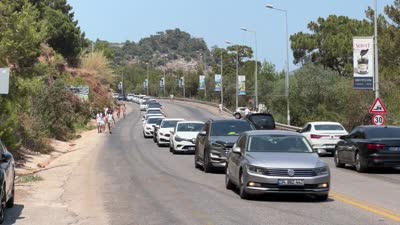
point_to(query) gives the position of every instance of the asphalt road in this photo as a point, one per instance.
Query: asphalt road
(145, 184)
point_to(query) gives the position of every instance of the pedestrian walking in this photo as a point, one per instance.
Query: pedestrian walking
(100, 122)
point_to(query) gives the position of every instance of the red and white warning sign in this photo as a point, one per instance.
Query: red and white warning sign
(378, 120)
(378, 107)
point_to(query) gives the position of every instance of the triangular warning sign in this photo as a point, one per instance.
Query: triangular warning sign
(378, 107)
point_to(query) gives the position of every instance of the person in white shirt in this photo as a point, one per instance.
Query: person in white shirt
(100, 122)
(109, 118)
(247, 111)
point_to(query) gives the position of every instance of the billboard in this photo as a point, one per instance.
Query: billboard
(202, 82)
(363, 63)
(4, 80)
(242, 84)
(218, 82)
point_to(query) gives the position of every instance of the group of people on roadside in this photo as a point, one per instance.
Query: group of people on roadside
(106, 120)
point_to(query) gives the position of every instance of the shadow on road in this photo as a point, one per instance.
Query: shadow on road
(13, 214)
(292, 198)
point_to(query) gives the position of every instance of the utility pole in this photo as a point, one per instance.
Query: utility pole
(147, 87)
(376, 50)
(222, 81)
(205, 75)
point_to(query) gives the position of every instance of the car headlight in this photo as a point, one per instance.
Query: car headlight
(321, 171)
(178, 139)
(255, 169)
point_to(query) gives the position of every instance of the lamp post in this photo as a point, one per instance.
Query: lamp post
(256, 64)
(237, 74)
(376, 50)
(222, 81)
(287, 63)
(147, 87)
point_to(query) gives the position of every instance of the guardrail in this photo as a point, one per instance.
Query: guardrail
(279, 125)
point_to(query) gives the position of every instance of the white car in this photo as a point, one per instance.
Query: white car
(148, 125)
(323, 136)
(143, 106)
(184, 136)
(164, 131)
(152, 111)
(129, 97)
(240, 112)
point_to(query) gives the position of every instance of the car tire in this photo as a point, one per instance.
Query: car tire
(237, 116)
(207, 167)
(242, 189)
(10, 202)
(337, 161)
(228, 183)
(321, 198)
(361, 166)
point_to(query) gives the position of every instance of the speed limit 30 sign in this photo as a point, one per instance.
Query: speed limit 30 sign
(378, 120)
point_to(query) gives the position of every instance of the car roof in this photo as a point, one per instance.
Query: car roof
(155, 116)
(272, 132)
(189, 121)
(229, 120)
(324, 122)
(376, 127)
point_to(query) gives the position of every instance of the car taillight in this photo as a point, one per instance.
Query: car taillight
(375, 147)
(316, 136)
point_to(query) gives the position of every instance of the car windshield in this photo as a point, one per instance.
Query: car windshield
(278, 143)
(383, 132)
(169, 123)
(154, 112)
(230, 128)
(154, 120)
(190, 127)
(328, 127)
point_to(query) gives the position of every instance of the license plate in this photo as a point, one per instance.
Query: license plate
(394, 149)
(191, 148)
(290, 182)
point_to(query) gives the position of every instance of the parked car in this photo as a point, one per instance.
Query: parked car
(164, 131)
(240, 112)
(143, 106)
(215, 141)
(184, 136)
(276, 161)
(261, 121)
(129, 97)
(148, 126)
(7, 180)
(154, 105)
(323, 136)
(121, 97)
(115, 95)
(369, 146)
(147, 116)
(152, 111)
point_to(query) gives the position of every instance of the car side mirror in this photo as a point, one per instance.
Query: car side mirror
(202, 133)
(237, 150)
(6, 157)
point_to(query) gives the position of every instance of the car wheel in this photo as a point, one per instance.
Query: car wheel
(361, 167)
(321, 198)
(10, 202)
(242, 190)
(336, 158)
(228, 183)
(207, 167)
(237, 115)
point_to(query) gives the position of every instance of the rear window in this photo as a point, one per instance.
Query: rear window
(230, 128)
(190, 127)
(328, 127)
(154, 112)
(383, 132)
(262, 122)
(154, 105)
(154, 120)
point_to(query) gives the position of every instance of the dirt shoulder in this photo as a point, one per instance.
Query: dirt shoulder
(60, 187)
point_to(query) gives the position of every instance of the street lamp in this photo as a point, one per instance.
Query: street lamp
(256, 64)
(203, 58)
(147, 87)
(237, 74)
(287, 62)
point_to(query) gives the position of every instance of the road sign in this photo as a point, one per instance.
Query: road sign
(378, 120)
(378, 107)
(4, 80)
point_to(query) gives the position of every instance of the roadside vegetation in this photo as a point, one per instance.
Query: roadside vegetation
(44, 48)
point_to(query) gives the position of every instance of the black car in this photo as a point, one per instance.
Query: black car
(261, 121)
(369, 146)
(215, 141)
(7, 178)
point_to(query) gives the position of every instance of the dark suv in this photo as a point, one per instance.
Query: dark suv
(7, 178)
(261, 121)
(215, 141)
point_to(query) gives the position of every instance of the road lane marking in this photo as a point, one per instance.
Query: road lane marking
(366, 206)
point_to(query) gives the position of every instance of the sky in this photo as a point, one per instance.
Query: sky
(216, 21)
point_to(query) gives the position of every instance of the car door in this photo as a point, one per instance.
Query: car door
(350, 145)
(237, 158)
(306, 132)
(7, 167)
(202, 139)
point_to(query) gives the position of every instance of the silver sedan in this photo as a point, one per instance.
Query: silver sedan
(273, 161)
